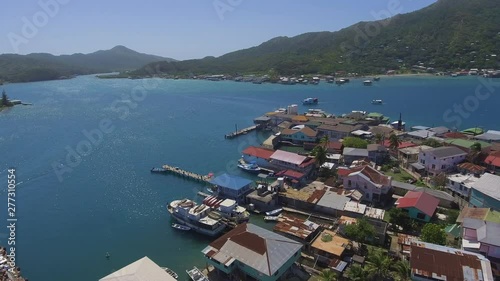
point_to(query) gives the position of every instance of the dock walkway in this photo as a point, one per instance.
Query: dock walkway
(240, 132)
(182, 173)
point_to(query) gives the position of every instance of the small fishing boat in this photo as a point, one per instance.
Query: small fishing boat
(196, 275)
(376, 79)
(249, 167)
(367, 82)
(274, 212)
(271, 218)
(310, 101)
(170, 272)
(376, 101)
(181, 227)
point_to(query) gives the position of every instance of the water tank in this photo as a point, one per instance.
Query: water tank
(292, 109)
(281, 182)
(251, 207)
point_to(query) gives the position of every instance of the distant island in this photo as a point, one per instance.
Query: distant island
(6, 102)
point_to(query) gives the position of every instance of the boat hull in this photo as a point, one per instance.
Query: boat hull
(209, 232)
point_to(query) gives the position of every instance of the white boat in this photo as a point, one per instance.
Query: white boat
(249, 167)
(170, 272)
(377, 102)
(196, 275)
(310, 101)
(367, 82)
(376, 79)
(271, 218)
(181, 227)
(195, 216)
(274, 212)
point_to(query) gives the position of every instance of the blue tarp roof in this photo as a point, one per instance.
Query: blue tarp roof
(230, 181)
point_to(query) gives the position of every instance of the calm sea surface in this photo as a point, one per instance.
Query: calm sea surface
(110, 202)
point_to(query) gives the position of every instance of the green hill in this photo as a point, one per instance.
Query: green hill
(449, 34)
(40, 66)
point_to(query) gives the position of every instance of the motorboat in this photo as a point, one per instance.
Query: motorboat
(376, 79)
(367, 82)
(249, 167)
(310, 101)
(170, 272)
(196, 275)
(377, 102)
(188, 213)
(271, 218)
(274, 212)
(181, 227)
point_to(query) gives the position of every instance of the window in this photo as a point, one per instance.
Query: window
(443, 166)
(434, 157)
(421, 216)
(349, 183)
(433, 166)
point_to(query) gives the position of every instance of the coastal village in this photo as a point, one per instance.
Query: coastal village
(351, 197)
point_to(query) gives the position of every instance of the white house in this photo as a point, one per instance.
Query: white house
(441, 159)
(374, 185)
(461, 184)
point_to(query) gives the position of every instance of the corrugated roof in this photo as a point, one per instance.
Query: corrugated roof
(335, 246)
(351, 151)
(472, 213)
(141, 270)
(422, 201)
(295, 226)
(473, 168)
(487, 231)
(446, 151)
(261, 249)
(433, 260)
(230, 181)
(333, 200)
(258, 152)
(493, 159)
(488, 184)
(466, 143)
(373, 175)
(288, 157)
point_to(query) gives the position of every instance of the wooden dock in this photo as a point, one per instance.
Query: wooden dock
(182, 173)
(240, 132)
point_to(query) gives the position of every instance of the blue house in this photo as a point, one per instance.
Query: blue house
(232, 187)
(485, 192)
(256, 252)
(419, 205)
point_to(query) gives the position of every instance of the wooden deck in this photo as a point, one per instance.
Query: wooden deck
(182, 173)
(240, 132)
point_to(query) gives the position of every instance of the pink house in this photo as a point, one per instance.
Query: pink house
(482, 237)
(374, 185)
(441, 159)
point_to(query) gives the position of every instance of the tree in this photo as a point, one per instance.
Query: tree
(5, 99)
(320, 154)
(474, 152)
(433, 233)
(378, 265)
(432, 143)
(324, 141)
(400, 218)
(403, 270)
(355, 142)
(394, 141)
(439, 180)
(361, 231)
(356, 273)
(327, 275)
(476, 147)
(451, 216)
(378, 138)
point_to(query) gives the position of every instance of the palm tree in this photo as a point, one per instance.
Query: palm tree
(5, 99)
(394, 142)
(320, 154)
(356, 273)
(378, 138)
(378, 265)
(324, 141)
(327, 275)
(403, 270)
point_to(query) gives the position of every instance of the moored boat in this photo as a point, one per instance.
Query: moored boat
(377, 102)
(195, 216)
(196, 275)
(271, 218)
(181, 227)
(367, 82)
(274, 212)
(170, 272)
(249, 167)
(376, 79)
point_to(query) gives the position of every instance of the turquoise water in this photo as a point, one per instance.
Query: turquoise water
(110, 202)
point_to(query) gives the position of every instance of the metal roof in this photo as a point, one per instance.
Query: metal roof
(490, 135)
(230, 181)
(350, 151)
(446, 151)
(288, 157)
(140, 270)
(488, 184)
(333, 200)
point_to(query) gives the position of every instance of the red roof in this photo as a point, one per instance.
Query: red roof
(422, 201)
(455, 135)
(335, 145)
(471, 167)
(291, 174)
(403, 144)
(343, 172)
(258, 152)
(493, 159)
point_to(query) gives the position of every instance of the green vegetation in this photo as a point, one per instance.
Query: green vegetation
(5, 100)
(394, 142)
(40, 67)
(433, 233)
(355, 142)
(400, 218)
(432, 143)
(361, 231)
(402, 176)
(449, 34)
(327, 275)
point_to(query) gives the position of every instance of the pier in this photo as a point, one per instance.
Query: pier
(182, 173)
(240, 132)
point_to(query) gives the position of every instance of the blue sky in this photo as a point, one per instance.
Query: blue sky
(181, 29)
